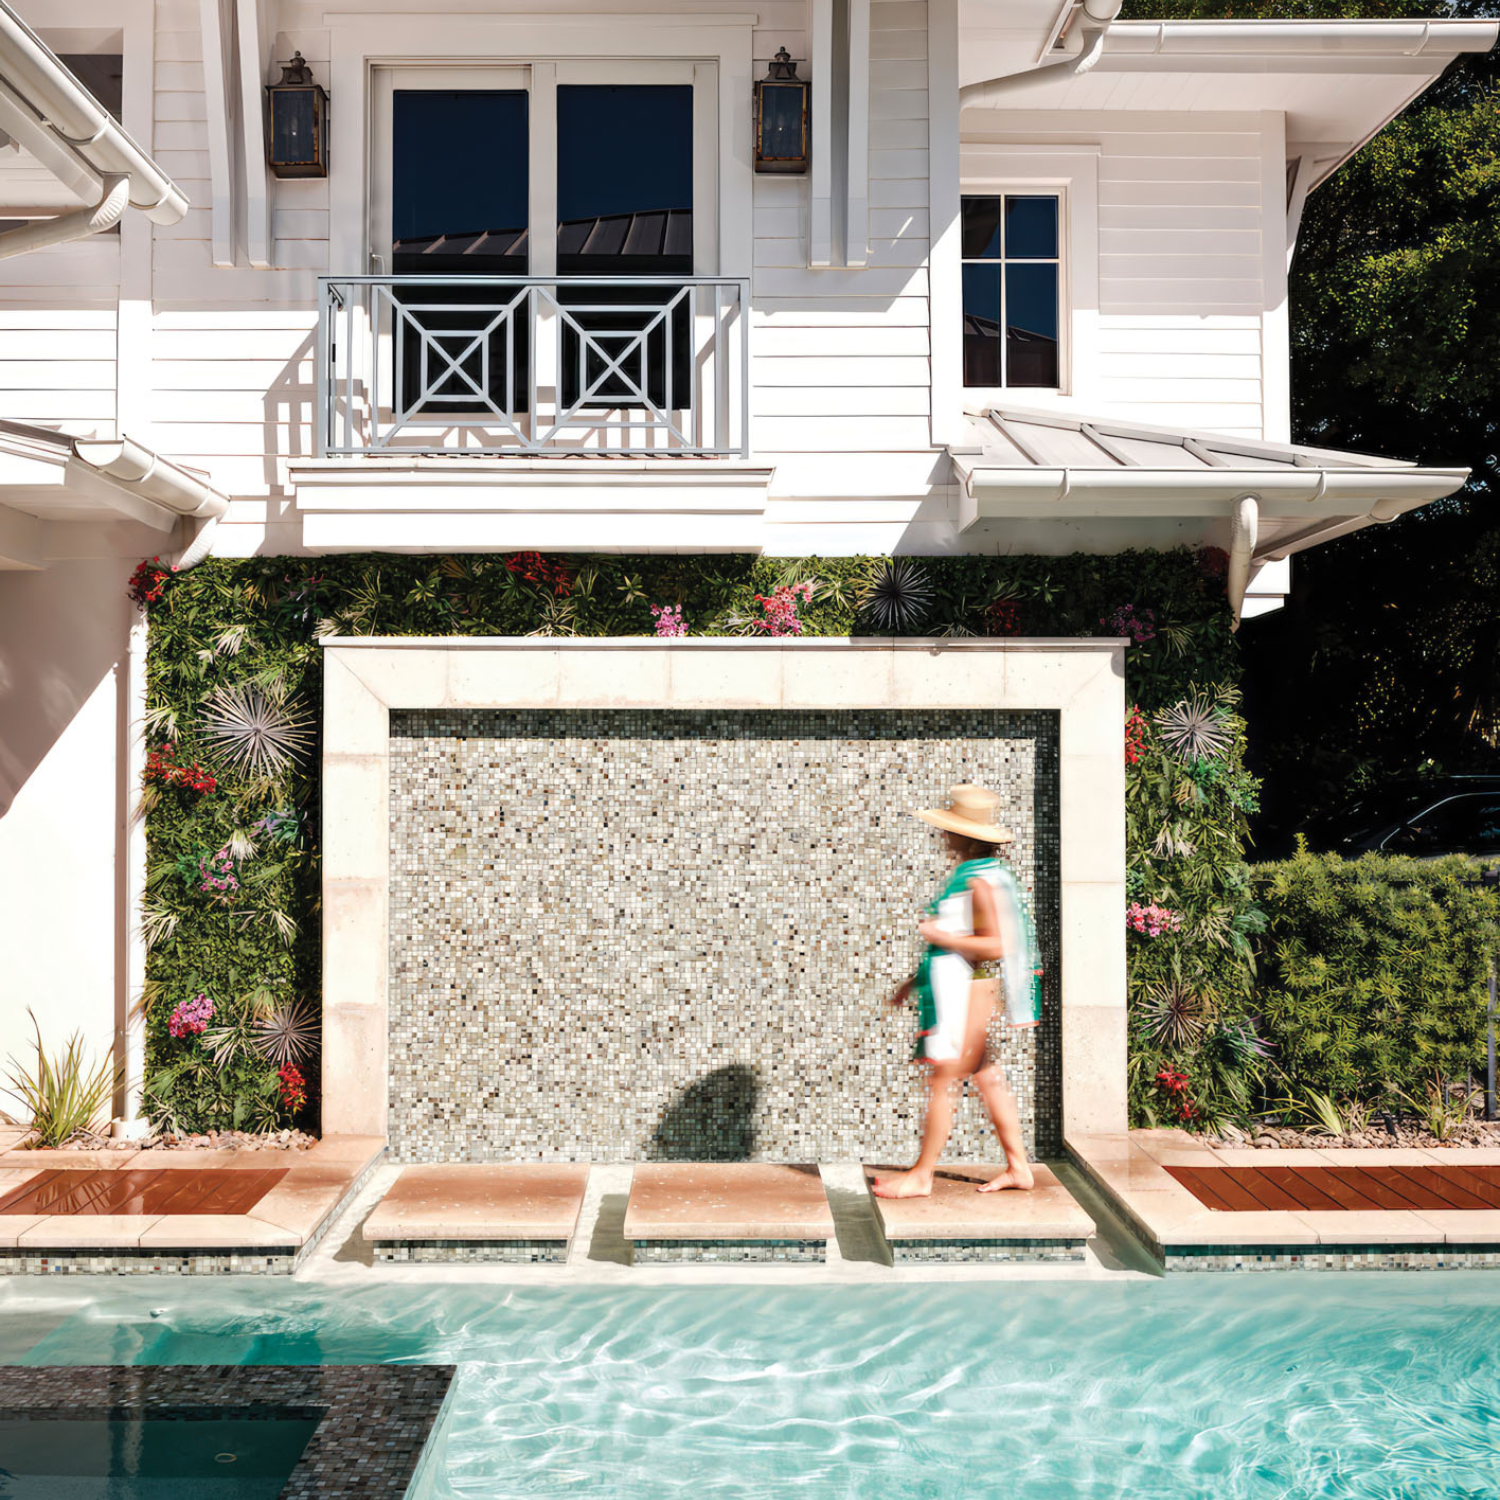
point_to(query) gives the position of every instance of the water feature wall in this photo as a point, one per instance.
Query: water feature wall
(668, 934)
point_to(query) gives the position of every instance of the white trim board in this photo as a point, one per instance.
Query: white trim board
(364, 678)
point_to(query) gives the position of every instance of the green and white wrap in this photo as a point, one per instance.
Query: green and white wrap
(943, 978)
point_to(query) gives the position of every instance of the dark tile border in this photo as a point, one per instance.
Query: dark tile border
(376, 1419)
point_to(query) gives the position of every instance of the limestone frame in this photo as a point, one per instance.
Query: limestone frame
(364, 678)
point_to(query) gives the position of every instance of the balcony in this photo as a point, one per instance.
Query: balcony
(638, 367)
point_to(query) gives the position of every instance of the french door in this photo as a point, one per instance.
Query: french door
(540, 224)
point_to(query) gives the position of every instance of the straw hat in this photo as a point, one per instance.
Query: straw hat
(972, 813)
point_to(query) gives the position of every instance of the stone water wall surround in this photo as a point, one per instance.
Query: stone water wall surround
(619, 934)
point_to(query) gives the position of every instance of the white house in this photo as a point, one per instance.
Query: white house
(1029, 295)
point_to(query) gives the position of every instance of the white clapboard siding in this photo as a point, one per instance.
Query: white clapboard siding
(844, 342)
(1180, 256)
(843, 401)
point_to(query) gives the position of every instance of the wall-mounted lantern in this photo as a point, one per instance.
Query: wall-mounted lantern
(782, 121)
(297, 142)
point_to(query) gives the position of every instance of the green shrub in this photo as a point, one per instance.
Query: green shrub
(1374, 971)
(62, 1094)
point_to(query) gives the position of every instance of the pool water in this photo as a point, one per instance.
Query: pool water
(1240, 1388)
(217, 1458)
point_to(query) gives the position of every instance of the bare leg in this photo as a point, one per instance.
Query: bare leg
(917, 1183)
(1001, 1104)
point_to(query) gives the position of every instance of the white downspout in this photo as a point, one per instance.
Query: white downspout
(76, 225)
(132, 1124)
(1244, 527)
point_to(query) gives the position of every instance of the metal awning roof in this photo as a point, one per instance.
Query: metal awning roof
(1278, 498)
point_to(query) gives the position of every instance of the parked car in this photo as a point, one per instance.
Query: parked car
(1438, 815)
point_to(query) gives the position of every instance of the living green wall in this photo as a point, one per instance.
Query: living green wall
(250, 943)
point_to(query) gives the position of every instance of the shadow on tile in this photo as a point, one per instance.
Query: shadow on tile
(608, 1241)
(854, 1223)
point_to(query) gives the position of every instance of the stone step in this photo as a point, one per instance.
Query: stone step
(721, 1212)
(479, 1211)
(959, 1223)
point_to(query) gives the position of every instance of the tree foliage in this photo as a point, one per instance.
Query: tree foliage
(1388, 655)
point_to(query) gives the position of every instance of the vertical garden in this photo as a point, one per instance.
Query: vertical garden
(230, 790)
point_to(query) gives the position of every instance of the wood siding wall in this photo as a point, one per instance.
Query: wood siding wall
(1181, 290)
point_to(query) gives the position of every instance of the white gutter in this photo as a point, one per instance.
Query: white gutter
(1300, 38)
(1096, 18)
(1378, 493)
(46, 110)
(147, 477)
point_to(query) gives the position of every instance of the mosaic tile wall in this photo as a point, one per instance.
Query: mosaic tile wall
(648, 935)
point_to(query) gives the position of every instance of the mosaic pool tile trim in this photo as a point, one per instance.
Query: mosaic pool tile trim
(376, 1419)
(557, 995)
(929, 1252)
(453, 1252)
(1188, 1260)
(728, 1252)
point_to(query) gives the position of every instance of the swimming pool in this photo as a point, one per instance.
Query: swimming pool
(217, 1458)
(1282, 1386)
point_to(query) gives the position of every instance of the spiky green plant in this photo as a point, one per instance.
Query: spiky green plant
(896, 595)
(62, 1095)
(1444, 1106)
(1195, 729)
(1175, 1014)
(257, 731)
(289, 1034)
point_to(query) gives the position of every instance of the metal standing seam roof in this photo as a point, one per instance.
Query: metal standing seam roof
(1016, 438)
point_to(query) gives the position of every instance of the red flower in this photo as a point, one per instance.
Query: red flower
(293, 1087)
(1003, 617)
(1135, 736)
(541, 572)
(162, 767)
(149, 582)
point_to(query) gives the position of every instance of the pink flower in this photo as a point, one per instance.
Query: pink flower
(191, 1016)
(1152, 920)
(668, 619)
(781, 609)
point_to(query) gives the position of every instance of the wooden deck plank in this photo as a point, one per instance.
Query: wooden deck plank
(1442, 1189)
(1215, 1186)
(1473, 1180)
(1407, 1193)
(125, 1192)
(1343, 1187)
(14, 1202)
(1387, 1187)
(1263, 1189)
(1303, 1184)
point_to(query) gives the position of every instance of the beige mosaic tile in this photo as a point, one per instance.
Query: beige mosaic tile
(634, 934)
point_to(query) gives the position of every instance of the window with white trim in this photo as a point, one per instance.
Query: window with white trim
(1012, 286)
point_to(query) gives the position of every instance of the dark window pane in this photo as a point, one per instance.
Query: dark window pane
(781, 122)
(981, 228)
(982, 325)
(459, 203)
(1031, 325)
(624, 179)
(1031, 228)
(294, 129)
(458, 182)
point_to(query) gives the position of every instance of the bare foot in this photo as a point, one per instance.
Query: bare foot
(1018, 1177)
(911, 1184)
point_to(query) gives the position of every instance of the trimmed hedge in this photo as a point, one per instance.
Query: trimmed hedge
(1375, 971)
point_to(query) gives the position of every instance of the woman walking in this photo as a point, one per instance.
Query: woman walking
(978, 921)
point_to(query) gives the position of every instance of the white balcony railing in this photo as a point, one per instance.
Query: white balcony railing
(526, 366)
